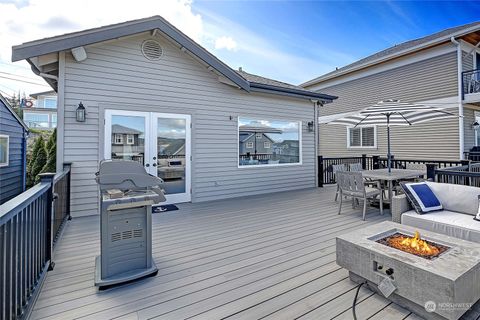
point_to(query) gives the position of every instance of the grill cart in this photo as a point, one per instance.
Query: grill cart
(127, 193)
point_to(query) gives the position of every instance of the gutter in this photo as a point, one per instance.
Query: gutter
(461, 127)
(47, 77)
(260, 87)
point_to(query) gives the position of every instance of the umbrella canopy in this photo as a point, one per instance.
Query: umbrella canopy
(393, 112)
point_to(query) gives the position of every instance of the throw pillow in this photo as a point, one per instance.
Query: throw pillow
(421, 197)
(477, 217)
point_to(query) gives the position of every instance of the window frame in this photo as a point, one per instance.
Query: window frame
(249, 145)
(361, 133)
(115, 138)
(7, 163)
(50, 98)
(133, 139)
(265, 143)
(254, 166)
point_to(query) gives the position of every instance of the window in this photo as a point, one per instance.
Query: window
(118, 138)
(4, 150)
(54, 121)
(130, 139)
(269, 142)
(50, 102)
(365, 137)
(36, 120)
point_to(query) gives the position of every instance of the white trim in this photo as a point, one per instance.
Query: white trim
(7, 163)
(300, 145)
(117, 138)
(61, 111)
(362, 147)
(374, 69)
(130, 137)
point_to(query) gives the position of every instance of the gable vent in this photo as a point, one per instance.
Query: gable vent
(152, 50)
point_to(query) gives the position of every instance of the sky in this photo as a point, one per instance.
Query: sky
(291, 41)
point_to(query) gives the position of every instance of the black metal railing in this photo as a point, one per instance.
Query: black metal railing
(27, 233)
(470, 82)
(326, 174)
(467, 174)
(472, 155)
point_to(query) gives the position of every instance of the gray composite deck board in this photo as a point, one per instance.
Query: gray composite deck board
(268, 256)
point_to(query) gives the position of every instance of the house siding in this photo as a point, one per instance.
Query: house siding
(12, 176)
(429, 79)
(117, 76)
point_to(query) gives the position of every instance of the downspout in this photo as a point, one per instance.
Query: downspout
(461, 129)
(24, 155)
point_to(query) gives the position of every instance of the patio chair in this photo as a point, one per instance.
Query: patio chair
(338, 168)
(352, 184)
(355, 167)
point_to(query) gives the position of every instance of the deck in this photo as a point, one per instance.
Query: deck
(268, 256)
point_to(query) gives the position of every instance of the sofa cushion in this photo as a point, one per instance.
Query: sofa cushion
(446, 222)
(456, 197)
(421, 197)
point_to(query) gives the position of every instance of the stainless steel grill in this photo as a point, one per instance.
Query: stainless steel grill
(127, 193)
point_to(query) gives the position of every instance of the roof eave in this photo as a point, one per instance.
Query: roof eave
(260, 87)
(9, 107)
(432, 43)
(27, 51)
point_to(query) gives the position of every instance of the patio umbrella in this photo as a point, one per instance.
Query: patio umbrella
(393, 112)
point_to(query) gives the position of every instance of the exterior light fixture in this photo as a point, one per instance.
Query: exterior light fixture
(475, 125)
(310, 126)
(81, 113)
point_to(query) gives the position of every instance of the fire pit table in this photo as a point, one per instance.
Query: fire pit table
(432, 275)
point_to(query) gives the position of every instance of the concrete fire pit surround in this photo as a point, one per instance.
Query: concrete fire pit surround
(451, 279)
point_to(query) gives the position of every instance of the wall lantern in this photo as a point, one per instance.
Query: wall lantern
(475, 125)
(310, 126)
(81, 113)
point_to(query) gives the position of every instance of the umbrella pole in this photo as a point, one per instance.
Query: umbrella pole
(389, 161)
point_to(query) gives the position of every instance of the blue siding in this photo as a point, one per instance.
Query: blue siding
(12, 177)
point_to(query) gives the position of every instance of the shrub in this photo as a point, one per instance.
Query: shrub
(51, 165)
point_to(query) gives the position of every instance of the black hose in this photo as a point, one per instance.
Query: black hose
(355, 299)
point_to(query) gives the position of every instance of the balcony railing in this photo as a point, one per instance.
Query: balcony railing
(470, 82)
(29, 226)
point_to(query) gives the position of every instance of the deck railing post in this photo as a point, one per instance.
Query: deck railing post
(364, 161)
(320, 171)
(431, 167)
(50, 214)
(68, 166)
(467, 163)
(376, 162)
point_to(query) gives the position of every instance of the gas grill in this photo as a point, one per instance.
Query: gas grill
(127, 193)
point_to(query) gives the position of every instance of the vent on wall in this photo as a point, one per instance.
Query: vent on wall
(152, 50)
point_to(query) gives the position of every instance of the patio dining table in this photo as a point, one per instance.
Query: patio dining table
(394, 175)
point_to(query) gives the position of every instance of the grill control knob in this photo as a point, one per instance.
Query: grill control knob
(389, 271)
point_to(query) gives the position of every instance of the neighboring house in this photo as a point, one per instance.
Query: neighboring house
(148, 74)
(254, 143)
(126, 143)
(436, 69)
(42, 113)
(13, 146)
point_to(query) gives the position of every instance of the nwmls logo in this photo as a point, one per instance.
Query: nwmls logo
(431, 306)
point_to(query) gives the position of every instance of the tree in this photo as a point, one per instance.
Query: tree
(51, 165)
(37, 161)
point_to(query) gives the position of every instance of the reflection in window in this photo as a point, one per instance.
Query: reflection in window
(36, 120)
(50, 103)
(4, 149)
(122, 127)
(264, 142)
(130, 139)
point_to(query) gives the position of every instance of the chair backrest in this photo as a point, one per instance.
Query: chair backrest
(355, 167)
(351, 181)
(416, 166)
(338, 168)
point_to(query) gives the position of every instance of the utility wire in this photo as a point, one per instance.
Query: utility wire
(24, 81)
(17, 75)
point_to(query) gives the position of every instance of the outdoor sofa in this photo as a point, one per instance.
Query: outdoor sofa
(460, 205)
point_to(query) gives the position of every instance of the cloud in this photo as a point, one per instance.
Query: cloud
(225, 43)
(59, 23)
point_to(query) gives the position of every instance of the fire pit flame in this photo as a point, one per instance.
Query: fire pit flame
(414, 245)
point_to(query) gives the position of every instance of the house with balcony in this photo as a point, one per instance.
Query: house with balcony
(439, 69)
(41, 112)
